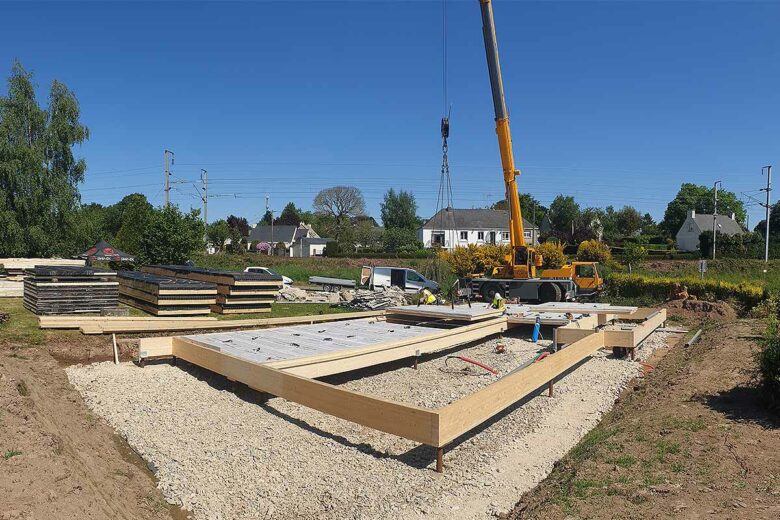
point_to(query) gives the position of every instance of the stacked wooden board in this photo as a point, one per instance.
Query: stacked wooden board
(69, 290)
(15, 267)
(237, 292)
(166, 295)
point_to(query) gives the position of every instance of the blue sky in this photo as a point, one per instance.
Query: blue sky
(612, 102)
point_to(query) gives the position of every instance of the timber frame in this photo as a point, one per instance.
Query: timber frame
(293, 379)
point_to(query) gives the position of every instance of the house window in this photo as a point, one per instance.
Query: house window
(527, 234)
(437, 239)
(505, 236)
(480, 235)
(464, 235)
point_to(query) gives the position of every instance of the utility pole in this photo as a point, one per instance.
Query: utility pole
(715, 217)
(270, 245)
(767, 208)
(204, 179)
(168, 159)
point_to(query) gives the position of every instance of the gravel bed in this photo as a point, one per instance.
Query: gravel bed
(223, 457)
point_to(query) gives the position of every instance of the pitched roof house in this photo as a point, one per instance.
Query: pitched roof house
(286, 235)
(453, 227)
(696, 224)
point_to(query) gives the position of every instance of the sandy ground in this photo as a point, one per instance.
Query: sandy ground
(224, 454)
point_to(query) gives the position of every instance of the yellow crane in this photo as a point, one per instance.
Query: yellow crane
(518, 276)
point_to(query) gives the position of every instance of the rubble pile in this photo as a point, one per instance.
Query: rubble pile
(381, 298)
(297, 295)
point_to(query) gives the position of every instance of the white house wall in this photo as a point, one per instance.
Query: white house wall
(452, 238)
(688, 236)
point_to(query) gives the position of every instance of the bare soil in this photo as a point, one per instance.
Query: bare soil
(57, 459)
(691, 440)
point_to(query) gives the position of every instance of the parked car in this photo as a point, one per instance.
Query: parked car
(265, 270)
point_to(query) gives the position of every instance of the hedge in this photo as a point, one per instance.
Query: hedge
(660, 287)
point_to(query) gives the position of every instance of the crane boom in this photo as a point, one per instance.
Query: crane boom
(516, 231)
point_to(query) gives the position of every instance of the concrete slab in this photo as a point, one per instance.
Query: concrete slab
(298, 341)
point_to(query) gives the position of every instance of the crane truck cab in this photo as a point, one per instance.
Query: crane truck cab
(585, 276)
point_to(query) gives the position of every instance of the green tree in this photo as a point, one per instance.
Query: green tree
(268, 217)
(628, 221)
(529, 206)
(563, 215)
(38, 172)
(135, 212)
(342, 204)
(400, 240)
(217, 233)
(701, 199)
(399, 210)
(291, 216)
(171, 237)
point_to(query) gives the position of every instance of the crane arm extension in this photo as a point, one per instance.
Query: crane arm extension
(516, 231)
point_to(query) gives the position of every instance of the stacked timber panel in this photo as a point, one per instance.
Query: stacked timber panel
(166, 295)
(237, 292)
(69, 290)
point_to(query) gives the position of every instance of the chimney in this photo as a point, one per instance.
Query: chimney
(692, 213)
(733, 216)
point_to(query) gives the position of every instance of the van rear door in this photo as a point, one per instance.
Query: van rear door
(398, 278)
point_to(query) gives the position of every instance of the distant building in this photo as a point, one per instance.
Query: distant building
(453, 227)
(281, 238)
(305, 247)
(696, 224)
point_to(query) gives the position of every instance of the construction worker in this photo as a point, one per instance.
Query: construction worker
(498, 302)
(427, 297)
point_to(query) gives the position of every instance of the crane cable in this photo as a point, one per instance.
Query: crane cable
(444, 198)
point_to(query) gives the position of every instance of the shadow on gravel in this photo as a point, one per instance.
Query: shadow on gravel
(741, 404)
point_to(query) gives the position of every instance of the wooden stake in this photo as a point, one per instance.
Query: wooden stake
(116, 350)
(439, 460)
(550, 389)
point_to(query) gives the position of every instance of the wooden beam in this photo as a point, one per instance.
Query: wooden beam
(346, 360)
(461, 416)
(410, 422)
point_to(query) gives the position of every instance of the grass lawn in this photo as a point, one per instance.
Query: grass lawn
(300, 269)
(22, 325)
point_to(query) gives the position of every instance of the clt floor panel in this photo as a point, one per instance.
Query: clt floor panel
(299, 341)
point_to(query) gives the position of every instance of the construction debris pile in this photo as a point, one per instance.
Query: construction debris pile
(166, 296)
(237, 292)
(4, 317)
(290, 294)
(69, 290)
(366, 299)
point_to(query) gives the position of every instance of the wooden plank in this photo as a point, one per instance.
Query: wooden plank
(583, 308)
(185, 325)
(153, 347)
(461, 312)
(461, 416)
(410, 422)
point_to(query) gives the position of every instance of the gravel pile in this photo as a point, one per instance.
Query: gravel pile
(224, 457)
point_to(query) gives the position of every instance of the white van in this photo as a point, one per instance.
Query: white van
(407, 279)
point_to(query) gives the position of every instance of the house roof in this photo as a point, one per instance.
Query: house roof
(453, 218)
(726, 225)
(280, 233)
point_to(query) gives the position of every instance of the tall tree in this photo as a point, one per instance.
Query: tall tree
(529, 206)
(628, 221)
(38, 171)
(399, 210)
(563, 214)
(342, 203)
(135, 212)
(171, 237)
(238, 225)
(290, 216)
(268, 217)
(217, 233)
(701, 199)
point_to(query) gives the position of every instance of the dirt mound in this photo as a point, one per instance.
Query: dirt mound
(697, 310)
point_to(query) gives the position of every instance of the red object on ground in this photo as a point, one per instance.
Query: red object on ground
(475, 362)
(541, 356)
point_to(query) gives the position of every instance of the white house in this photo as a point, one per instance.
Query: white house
(452, 227)
(305, 247)
(281, 237)
(696, 224)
